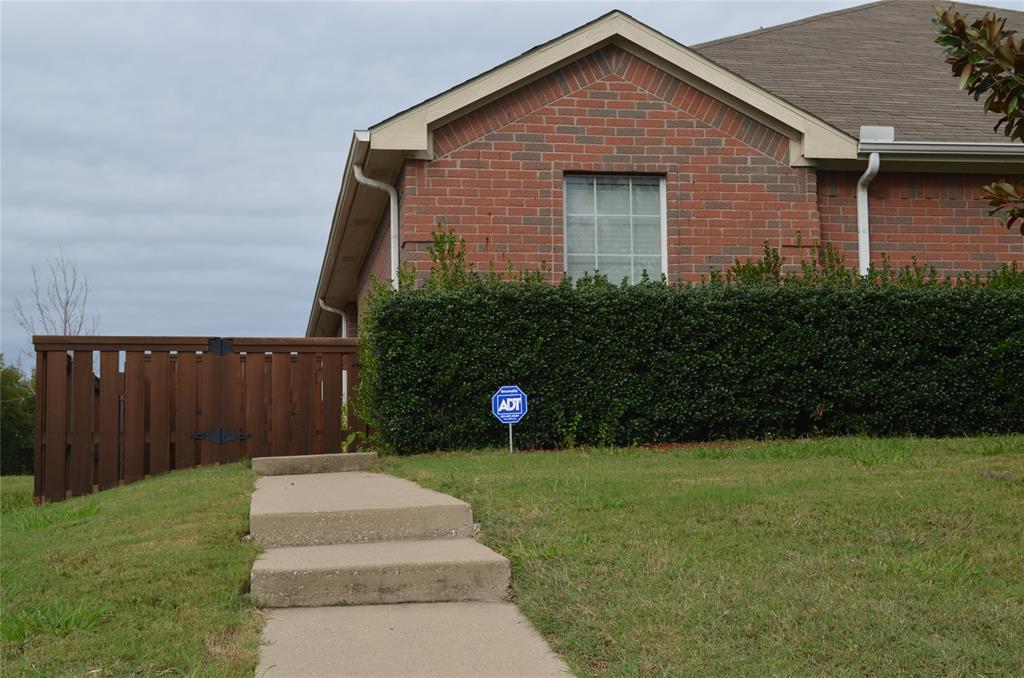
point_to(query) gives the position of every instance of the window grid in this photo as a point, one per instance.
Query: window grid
(595, 215)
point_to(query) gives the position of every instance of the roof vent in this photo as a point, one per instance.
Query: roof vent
(876, 134)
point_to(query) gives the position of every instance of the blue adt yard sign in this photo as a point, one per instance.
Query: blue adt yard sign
(508, 405)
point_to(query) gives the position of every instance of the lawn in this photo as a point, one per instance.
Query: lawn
(143, 580)
(829, 557)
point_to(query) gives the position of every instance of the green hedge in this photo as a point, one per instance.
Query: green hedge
(652, 363)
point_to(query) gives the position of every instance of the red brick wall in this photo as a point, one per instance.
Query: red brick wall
(497, 178)
(378, 259)
(939, 218)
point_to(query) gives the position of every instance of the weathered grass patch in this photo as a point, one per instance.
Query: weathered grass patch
(15, 492)
(35, 517)
(147, 579)
(58, 618)
(846, 556)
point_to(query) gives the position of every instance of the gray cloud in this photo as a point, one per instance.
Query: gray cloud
(189, 154)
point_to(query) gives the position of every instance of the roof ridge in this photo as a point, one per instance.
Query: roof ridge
(788, 24)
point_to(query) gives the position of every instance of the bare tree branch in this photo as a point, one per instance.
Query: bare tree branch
(61, 306)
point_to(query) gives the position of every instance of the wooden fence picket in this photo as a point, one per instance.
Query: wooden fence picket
(181, 401)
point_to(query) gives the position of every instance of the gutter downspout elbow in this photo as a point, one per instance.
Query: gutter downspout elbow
(337, 311)
(863, 221)
(393, 195)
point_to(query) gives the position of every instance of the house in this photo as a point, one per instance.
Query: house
(615, 148)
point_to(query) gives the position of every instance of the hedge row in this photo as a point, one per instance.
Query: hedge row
(652, 363)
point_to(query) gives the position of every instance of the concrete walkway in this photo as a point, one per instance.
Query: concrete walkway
(365, 574)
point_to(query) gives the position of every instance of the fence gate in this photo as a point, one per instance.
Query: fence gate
(115, 409)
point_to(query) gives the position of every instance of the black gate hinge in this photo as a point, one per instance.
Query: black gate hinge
(221, 435)
(220, 346)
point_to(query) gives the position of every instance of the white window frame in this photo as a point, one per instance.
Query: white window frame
(565, 215)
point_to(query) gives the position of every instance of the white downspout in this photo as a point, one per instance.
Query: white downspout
(863, 220)
(344, 334)
(337, 311)
(868, 134)
(393, 194)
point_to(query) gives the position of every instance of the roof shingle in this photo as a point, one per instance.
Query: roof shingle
(874, 64)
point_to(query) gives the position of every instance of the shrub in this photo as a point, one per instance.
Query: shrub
(651, 363)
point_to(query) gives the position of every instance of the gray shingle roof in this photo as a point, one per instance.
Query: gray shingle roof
(875, 64)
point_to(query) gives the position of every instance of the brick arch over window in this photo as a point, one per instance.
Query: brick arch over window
(498, 174)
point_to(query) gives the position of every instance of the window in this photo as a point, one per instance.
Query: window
(615, 225)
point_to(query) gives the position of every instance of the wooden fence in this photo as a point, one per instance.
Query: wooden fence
(111, 410)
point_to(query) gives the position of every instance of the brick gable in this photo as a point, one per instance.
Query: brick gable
(604, 64)
(498, 178)
(498, 175)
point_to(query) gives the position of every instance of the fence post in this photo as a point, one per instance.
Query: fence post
(55, 422)
(111, 387)
(82, 396)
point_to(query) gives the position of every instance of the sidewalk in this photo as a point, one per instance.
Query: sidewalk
(341, 541)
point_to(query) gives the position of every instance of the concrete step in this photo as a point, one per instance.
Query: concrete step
(353, 507)
(434, 570)
(313, 463)
(454, 640)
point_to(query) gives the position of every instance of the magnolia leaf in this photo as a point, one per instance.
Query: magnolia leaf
(1006, 55)
(965, 76)
(988, 60)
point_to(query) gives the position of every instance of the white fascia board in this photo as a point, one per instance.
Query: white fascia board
(820, 140)
(410, 131)
(357, 151)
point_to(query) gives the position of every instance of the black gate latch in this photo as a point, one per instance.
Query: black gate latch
(221, 435)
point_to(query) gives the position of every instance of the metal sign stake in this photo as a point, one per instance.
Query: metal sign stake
(510, 438)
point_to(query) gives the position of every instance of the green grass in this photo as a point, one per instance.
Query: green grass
(830, 557)
(143, 580)
(15, 492)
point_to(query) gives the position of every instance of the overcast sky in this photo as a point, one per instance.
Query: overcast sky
(189, 154)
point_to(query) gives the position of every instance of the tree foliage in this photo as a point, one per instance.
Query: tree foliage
(17, 420)
(989, 61)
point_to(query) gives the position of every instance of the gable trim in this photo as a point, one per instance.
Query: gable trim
(610, 63)
(410, 131)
